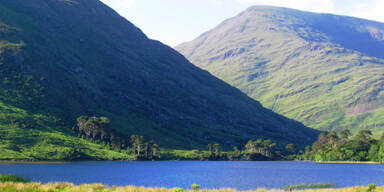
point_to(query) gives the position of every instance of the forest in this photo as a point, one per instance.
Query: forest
(345, 147)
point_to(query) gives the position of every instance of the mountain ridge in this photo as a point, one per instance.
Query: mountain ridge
(64, 59)
(320, 69)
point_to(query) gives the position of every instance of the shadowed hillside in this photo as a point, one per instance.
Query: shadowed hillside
(61, 59)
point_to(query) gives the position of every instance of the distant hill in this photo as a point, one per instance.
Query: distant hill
(60, 59)
(321, 69)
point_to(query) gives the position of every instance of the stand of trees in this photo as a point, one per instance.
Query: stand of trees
(329, 146)
(259, 149)
(215, 152)
(343, 147)
(144, 150)
(98, 130)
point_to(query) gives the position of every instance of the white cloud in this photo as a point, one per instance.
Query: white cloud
(371, 9)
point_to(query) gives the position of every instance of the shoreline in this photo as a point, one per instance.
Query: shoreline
(75, 161)
(349, 162)
(65, 186)
(93, 160)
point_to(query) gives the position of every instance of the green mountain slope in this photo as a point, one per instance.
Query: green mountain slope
(323, 70)
(61, 59)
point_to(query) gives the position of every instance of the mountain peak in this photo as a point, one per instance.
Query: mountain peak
(315, 68)
(81, 58)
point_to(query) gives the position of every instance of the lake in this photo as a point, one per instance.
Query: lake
(241, 175)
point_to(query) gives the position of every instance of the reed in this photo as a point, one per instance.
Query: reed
(12, 178)
(69, 187)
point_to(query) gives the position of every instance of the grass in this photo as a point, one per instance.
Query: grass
(69, 187)
(26, 136)
(11, 183)
(348, 162)
(310, 186)
(12, 178)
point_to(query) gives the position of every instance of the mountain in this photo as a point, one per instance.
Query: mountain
(61, 59)
(320, 69)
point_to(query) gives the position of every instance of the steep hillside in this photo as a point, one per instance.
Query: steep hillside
(61, 59)
(323, 70)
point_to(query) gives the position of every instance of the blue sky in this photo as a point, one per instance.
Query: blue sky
(175, 21)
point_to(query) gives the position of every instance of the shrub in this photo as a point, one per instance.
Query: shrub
(12, 178)
(195, 187)
(371, 188)
(178, 190)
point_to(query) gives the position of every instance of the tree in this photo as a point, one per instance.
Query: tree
(155, 150)
(333, 139)
(380, 153)
(382, 138)
(260, 146)
(362, 147)
(267, 147)
(149, 149)
(291, 148)
(236, 152)
(210, 149)
(250, 147)
(316, 146)
(137, 143)
(364, 136)
(217, 150)
(373, 153)
(345, 134)
(322, 138)
(99, 130)
(146, 148)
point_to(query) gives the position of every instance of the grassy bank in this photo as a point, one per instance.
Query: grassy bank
(348, 162)
(66, 187)
(12, 178)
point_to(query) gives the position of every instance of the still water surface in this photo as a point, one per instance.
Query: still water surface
(209, 174)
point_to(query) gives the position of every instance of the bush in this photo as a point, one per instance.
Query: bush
(12, 178)
(371, 188)
(195, 187)
(178, 190)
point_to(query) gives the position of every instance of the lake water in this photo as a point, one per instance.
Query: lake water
(241, 175)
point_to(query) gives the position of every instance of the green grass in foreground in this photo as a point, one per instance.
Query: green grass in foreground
(68, 187)
(310, 186)
(11, 183)
(12, 178)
